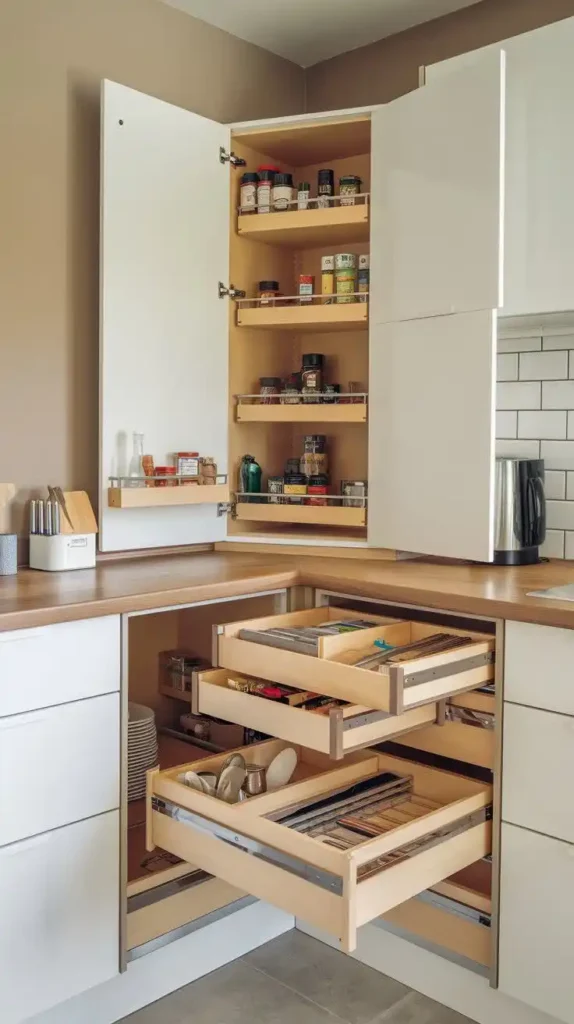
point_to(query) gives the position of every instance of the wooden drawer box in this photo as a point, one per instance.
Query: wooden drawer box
(335, 890)
(468, 734)
(333, 672)
(343, 730)
(538, 762)
(55, 664)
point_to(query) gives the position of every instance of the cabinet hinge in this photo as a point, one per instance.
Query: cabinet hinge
(226, 508)
(230, 158)
(232, 291)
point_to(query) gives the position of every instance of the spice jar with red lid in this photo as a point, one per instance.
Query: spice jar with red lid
(165, 472)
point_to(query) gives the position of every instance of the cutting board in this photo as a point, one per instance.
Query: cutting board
(7, 492)
(81, 513)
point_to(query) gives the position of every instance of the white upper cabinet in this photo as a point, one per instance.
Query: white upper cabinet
(437, 196)
(431, 435)
(164, 331)
(539, 215)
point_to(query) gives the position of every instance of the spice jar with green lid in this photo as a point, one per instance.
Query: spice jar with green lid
(349, 187)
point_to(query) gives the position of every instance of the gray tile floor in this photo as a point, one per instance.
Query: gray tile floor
(295, 980)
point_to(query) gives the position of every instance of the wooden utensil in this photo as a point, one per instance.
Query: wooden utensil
(7, 493)
(80, 512)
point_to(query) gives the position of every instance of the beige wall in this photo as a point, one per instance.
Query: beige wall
(389, 68)
(53, 54)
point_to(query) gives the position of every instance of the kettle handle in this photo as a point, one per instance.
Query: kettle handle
(536, 487)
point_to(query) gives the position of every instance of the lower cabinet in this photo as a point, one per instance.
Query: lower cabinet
(59, 918)
(537, 921)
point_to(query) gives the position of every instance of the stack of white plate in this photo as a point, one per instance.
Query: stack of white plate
(142, 748)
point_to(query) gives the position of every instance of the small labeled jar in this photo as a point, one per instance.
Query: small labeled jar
(291, 393)
(325, 187)
(295, 489)
(349, 187)
(312, 377)
(363, 278)
(317, 489)
(275, 489)
(314, 460)
(354, 493)
(303, 194)
(268, 292)
(269, 388)
(248, 192)
(331, 393)
(345, 276)
(166, 472)
(282, 192)
(306, 288)
(327, 278)
(266, 176)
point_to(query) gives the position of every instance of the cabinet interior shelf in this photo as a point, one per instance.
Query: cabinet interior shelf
(335, 317)
(155, 497)
(313, 515)
(335, 225)
(303, 412)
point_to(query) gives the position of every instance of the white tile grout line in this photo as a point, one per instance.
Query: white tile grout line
(325, 1009)
(396, 1006)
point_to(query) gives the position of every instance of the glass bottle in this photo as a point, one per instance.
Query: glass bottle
(250, 478)
(136, 470)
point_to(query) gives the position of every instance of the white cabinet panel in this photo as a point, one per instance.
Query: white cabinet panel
(59, 926)
(538, 764)
(164, 330)
(54, 664)
(537, 922)
(538, 664)
(58, 765)
(431, 435)
(437, 196)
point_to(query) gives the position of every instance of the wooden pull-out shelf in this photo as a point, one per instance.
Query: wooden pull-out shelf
(335, 890)
(344, 730)
(313, 515)
(397, 689)
(156, 497)
(460, 738)
(336, 317)
(317, 227)
(302, 412)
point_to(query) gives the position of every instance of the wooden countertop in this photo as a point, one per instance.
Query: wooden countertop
(34, 598)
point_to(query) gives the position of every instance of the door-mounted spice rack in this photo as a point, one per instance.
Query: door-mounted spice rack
(316, 313)
(158, 491)
(322, 408)
(314, 226)
(336, 510)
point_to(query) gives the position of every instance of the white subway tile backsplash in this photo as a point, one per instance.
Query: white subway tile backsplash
(543, 366)
(571, 425)
(555, 484)
(520, 344)
(570, 486)
(554, 341)
(519, 396)
(560, 515)
(553, 546)
(507, 367)
(506, 424)
(518, 449)
(542, 425)
(569, 552)
(558, 454)
(558, 394)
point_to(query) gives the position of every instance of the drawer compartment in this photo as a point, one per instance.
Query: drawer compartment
(54, 664)
(468, 734)
(333, 671)
(538, 756)
(63, 763)
(337, 733)
(440, 828)
(454, 915)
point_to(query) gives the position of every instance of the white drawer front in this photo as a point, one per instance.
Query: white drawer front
(58, 765)
(538, 666)
(537, 922)
(54, 664)
(538, 764)
(59, 895)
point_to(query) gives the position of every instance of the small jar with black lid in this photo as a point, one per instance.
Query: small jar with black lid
(268, 292)
(312, 377)
(282, 192)
(248, 192)
(325, 187)
(269, 388)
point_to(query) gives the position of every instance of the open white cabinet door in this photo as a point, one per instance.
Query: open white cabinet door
(431, 435)
(437, 196)
(163, 330)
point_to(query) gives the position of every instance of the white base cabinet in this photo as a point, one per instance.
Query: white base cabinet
(59, 917)
(537, 921)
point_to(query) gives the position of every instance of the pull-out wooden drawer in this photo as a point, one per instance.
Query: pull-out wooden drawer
(395, 688)
(467, 735)
(440, 828)
(343, 730)
(454, 915)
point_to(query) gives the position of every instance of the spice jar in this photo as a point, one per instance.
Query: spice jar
(269, 388)
(349, 187)
(187, 464)
(166, 472)
(291, 466)
(331, 393)
(314, 460)
(303, 193)
(363, 278)
(345, 276)
(248, 192)
(325, 188)
(306, 288)
(282, 191)
(266, 175)
(291, 393)
(312, 377)
(275, 488)
(207, 470)
(295, 489)
(317, 488)
(354, 493)
(327, 278)
(268, 292)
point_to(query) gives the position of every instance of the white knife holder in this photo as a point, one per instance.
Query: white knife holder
(62, 551)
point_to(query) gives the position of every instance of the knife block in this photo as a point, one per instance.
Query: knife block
(62, 551)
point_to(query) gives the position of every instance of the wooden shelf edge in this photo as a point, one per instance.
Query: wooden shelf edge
(158, 497)
(302, 413)
(311, 515)
(338, 316)
(293, 226)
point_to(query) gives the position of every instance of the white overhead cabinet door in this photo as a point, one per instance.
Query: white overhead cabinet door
(164, 331)
(431, 435)
(437, 196)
